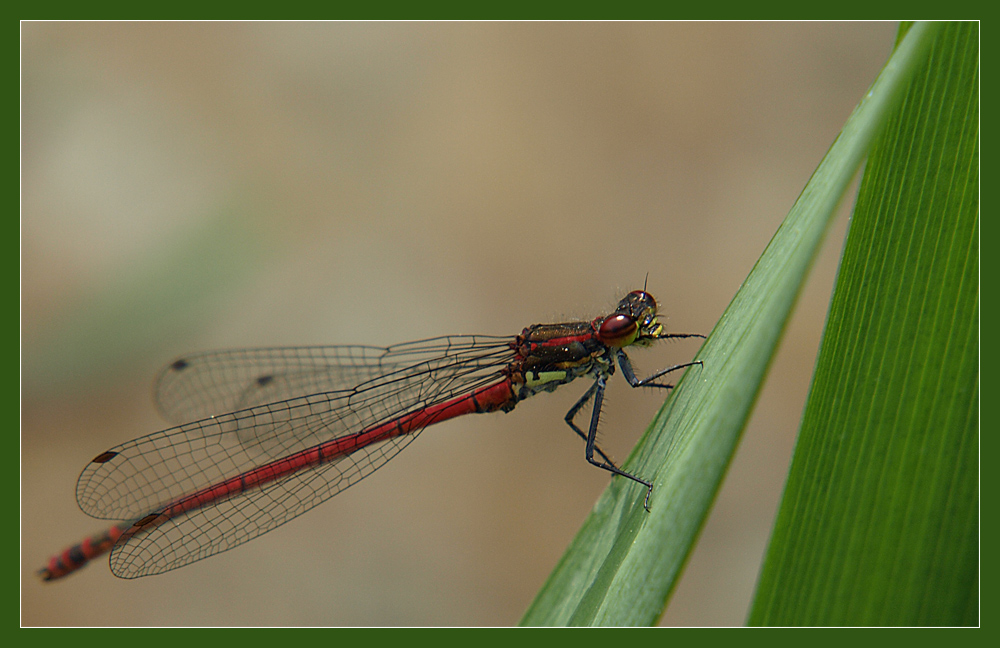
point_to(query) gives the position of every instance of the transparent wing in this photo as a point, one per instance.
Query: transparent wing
(145, 475)
(202, 385)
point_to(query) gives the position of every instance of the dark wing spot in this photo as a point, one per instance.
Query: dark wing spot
(179, 364)
(264, 380)
(104, 457)
(146, 520)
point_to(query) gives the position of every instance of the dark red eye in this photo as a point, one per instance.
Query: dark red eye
(618, 330)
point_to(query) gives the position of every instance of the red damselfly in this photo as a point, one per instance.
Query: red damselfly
(277, 431)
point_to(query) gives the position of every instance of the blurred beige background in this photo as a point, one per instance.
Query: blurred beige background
(196, 186)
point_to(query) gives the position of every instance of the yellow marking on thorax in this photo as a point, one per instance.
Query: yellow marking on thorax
(536, 378)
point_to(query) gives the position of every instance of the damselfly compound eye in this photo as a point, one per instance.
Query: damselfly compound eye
(618, 330)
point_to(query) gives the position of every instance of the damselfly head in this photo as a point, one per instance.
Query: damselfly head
(644, 310)
(633, 322)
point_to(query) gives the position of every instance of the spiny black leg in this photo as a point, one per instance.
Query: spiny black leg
(598, 392)
(629, 374)
(677, 336)
(573, 411)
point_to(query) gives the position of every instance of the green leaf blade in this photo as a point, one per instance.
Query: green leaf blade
(879, 521)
